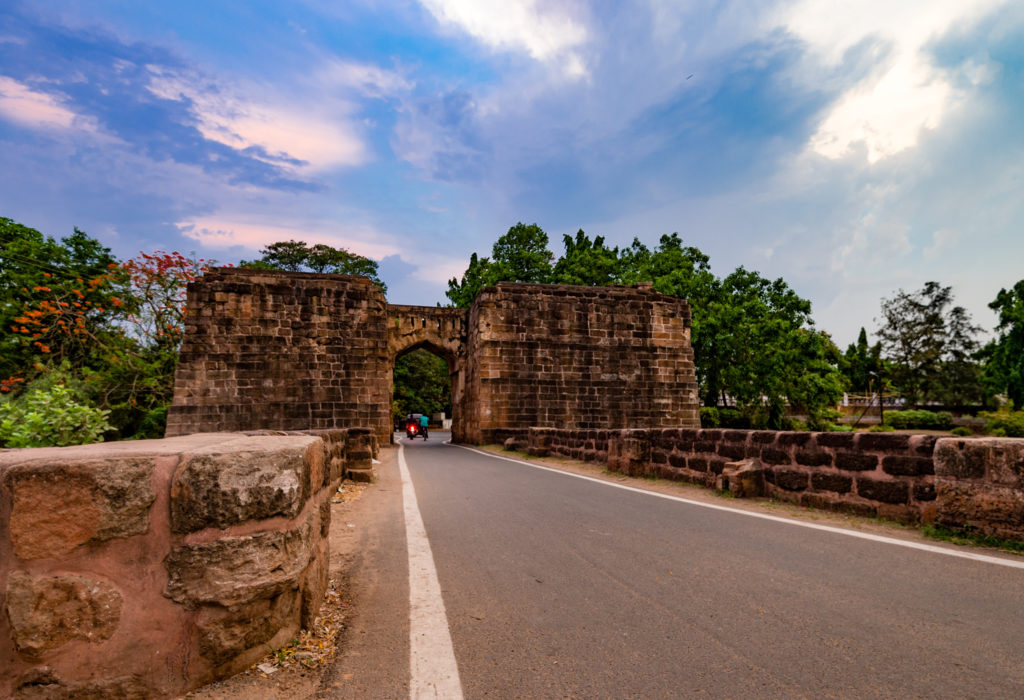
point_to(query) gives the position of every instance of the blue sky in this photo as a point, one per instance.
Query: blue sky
(852, 148)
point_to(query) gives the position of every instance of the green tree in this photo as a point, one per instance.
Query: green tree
(929, 345)
(421, 384)
(862, 365)
(586, 262)
(297, 256)
(463, 292)
(1004, 369)
(521, 255)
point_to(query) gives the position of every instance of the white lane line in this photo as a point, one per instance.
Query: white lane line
(1015, 564)
(433, 671)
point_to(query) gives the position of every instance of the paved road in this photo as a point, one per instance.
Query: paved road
(556, 586)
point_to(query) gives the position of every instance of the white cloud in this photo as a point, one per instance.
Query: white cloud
(38, 110)
(546, 31)
(887, 110)
(320, 132)
(368, 79)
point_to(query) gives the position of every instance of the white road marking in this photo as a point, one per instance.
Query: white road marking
(1000, 561)
(432, 667)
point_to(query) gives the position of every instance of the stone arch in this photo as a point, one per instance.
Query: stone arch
(441, 331)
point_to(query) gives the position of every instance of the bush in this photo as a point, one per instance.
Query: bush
(50, 418)
(733, 418)
(962, 431)
(153, 424)
(920, 420)
(1004, 423)
(709, 417)
(881, 428)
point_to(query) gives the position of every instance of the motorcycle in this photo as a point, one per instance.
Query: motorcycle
(412, 430)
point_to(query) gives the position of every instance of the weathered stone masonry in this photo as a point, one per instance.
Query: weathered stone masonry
(975, 483)
(283, 351)
(582, 357)
(143, 569)
(275, 350)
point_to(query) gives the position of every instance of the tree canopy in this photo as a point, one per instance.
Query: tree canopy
(929, 345)
(297, 256)
(1004, 372)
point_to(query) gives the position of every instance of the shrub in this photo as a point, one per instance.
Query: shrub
(1004, 423)
(154, 423)
(733, 418)
(45, 418)
(962, 431)
(881, 428)
(709, 417)
(918, 419)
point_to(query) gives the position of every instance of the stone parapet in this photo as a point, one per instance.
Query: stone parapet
(979, 485)
(973, 483)
(147, 568)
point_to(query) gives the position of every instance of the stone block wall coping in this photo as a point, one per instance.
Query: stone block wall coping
(147, 568)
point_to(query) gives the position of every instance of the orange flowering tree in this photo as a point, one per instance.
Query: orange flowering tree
(71, 313)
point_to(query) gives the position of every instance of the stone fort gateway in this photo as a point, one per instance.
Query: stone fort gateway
(148, 568)
(297, 351)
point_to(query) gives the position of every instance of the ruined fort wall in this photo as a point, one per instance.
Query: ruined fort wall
(282, 350)
(576, 357)
(971, 483)
(147, 568)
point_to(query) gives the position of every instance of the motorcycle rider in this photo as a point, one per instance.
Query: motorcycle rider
(423, 425)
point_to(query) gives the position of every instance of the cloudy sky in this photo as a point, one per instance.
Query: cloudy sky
(853, 148)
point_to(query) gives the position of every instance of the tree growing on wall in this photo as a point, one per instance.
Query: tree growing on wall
(297, 256)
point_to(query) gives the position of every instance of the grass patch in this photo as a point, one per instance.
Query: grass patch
(970, 537)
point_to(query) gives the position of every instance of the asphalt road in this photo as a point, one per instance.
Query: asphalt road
(556, 586)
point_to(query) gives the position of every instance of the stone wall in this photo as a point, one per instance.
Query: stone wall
(146, 568)
(282, 351)
(979, 484)
(288, 350)
(974, 483)
(583, 357)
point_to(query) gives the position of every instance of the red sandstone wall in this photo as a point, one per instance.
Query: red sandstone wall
(283, 351)
(581, 357)
(976, 483)
(146, 568)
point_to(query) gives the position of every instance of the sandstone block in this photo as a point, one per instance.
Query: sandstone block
(883, 491)
(42, 683)
(844, 440)
(829, 481)
(997, 460)
(811, 458)
(900, 465)
(225, 634)
(65, 502)
(997, 510)
(223, 486)
(744, 479)
(788, 479)
(238, 570)
(855, 462)
(47, 612)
